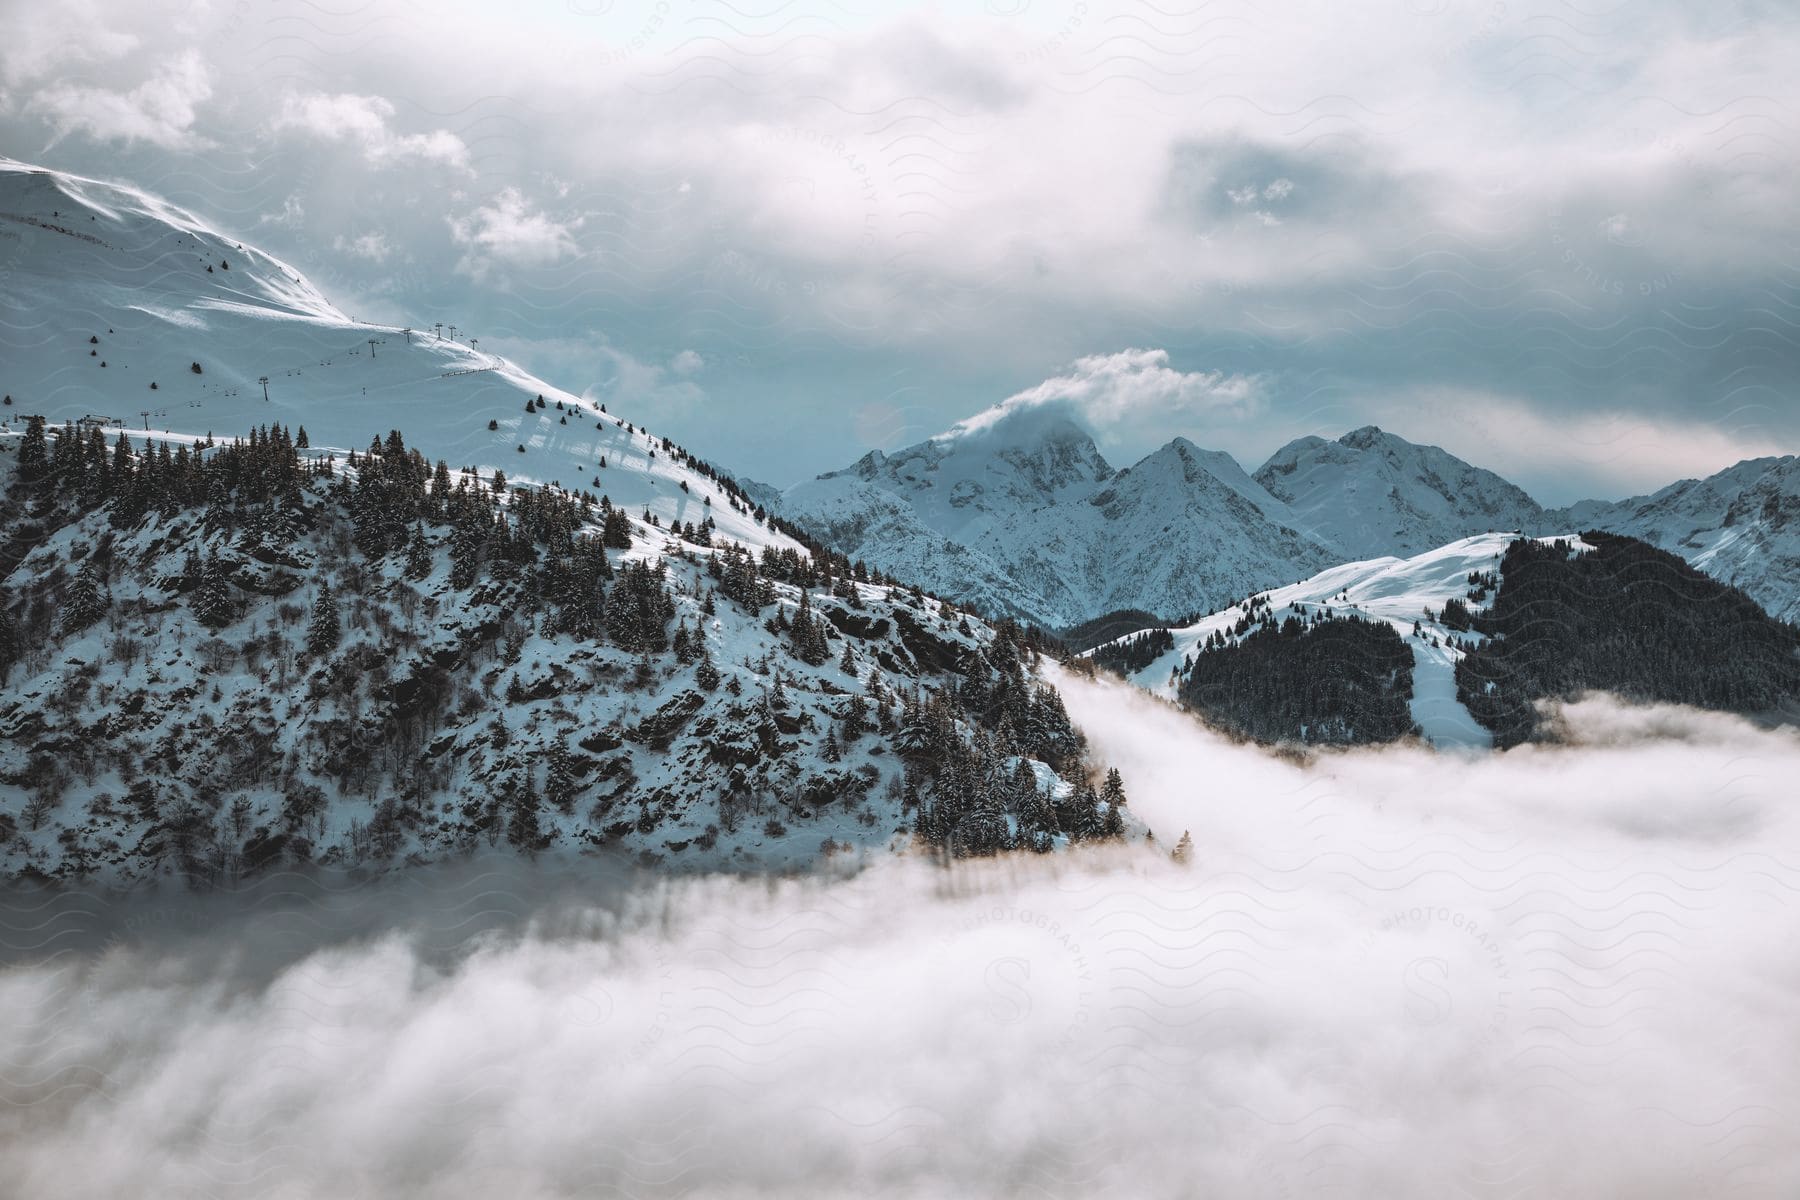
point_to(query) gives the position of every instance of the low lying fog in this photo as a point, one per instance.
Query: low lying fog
(1568, 972)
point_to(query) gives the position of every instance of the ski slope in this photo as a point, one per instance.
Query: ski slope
(160, 290)
(1395, 590)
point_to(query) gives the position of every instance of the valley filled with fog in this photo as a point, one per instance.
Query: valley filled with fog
(1558, 971)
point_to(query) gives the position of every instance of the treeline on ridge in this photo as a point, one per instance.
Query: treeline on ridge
(1623, 617)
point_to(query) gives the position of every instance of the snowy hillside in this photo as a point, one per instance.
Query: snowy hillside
(219, 661)
(1370, 493)
(1741, 526)
(226, 648)
(107, 290)
(1394, 590)
(1025, 517)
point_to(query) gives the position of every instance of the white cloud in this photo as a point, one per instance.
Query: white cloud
(604, 373)
(1388, 973)
(291, 216)
(1423, 181)
(512, 232)
(161, 110)
(364, 122)
(655, 392)
(374, 247)
(1107, 391)
(42, 38)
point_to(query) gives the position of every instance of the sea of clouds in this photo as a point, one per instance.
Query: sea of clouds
(1565, 971)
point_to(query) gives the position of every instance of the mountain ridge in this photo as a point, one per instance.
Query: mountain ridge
(1371, 492)
(1043, 526)
(1221, 532)
(1740, 525)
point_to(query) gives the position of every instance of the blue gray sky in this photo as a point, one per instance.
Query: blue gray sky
(1558, 241)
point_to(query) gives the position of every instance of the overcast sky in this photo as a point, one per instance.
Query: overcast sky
(1560, 243)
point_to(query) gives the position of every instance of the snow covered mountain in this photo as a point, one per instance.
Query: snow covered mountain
(1020, 514)
(1495, 625)
(225, 650)
(1370, 493)
(1023, 516)
(1395, 590)
(1741, 526)
(111, 297)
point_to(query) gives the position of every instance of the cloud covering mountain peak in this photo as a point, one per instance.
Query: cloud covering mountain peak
(1126, 390)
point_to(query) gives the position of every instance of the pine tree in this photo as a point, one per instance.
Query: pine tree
(323, 633)
(807, 634)
(34, 454)
(559, 778)
(301, 442)
(418, 553)
(1079, 815)
(856, 717)
(212, 601)
(1112, 792)
(622, 623)
(1113, 825)
(706, 674)
(615, 531)
(11, 642)
(523, 830)
(86, 602)
(1184, 849)
(1037, 818)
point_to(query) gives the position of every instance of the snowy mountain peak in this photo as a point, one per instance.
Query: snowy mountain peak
(1186, 469)
(1216, 463)
(1029, 458)
(866, 467)
(1372, 493)
(128, 311)
(1057, 456)
(1368, 437)
(1021, 514)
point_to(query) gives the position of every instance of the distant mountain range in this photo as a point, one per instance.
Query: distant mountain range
(1026, 518)
(1741, 526)
(1022, 515)
(1371, 494)
(1015, 512)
